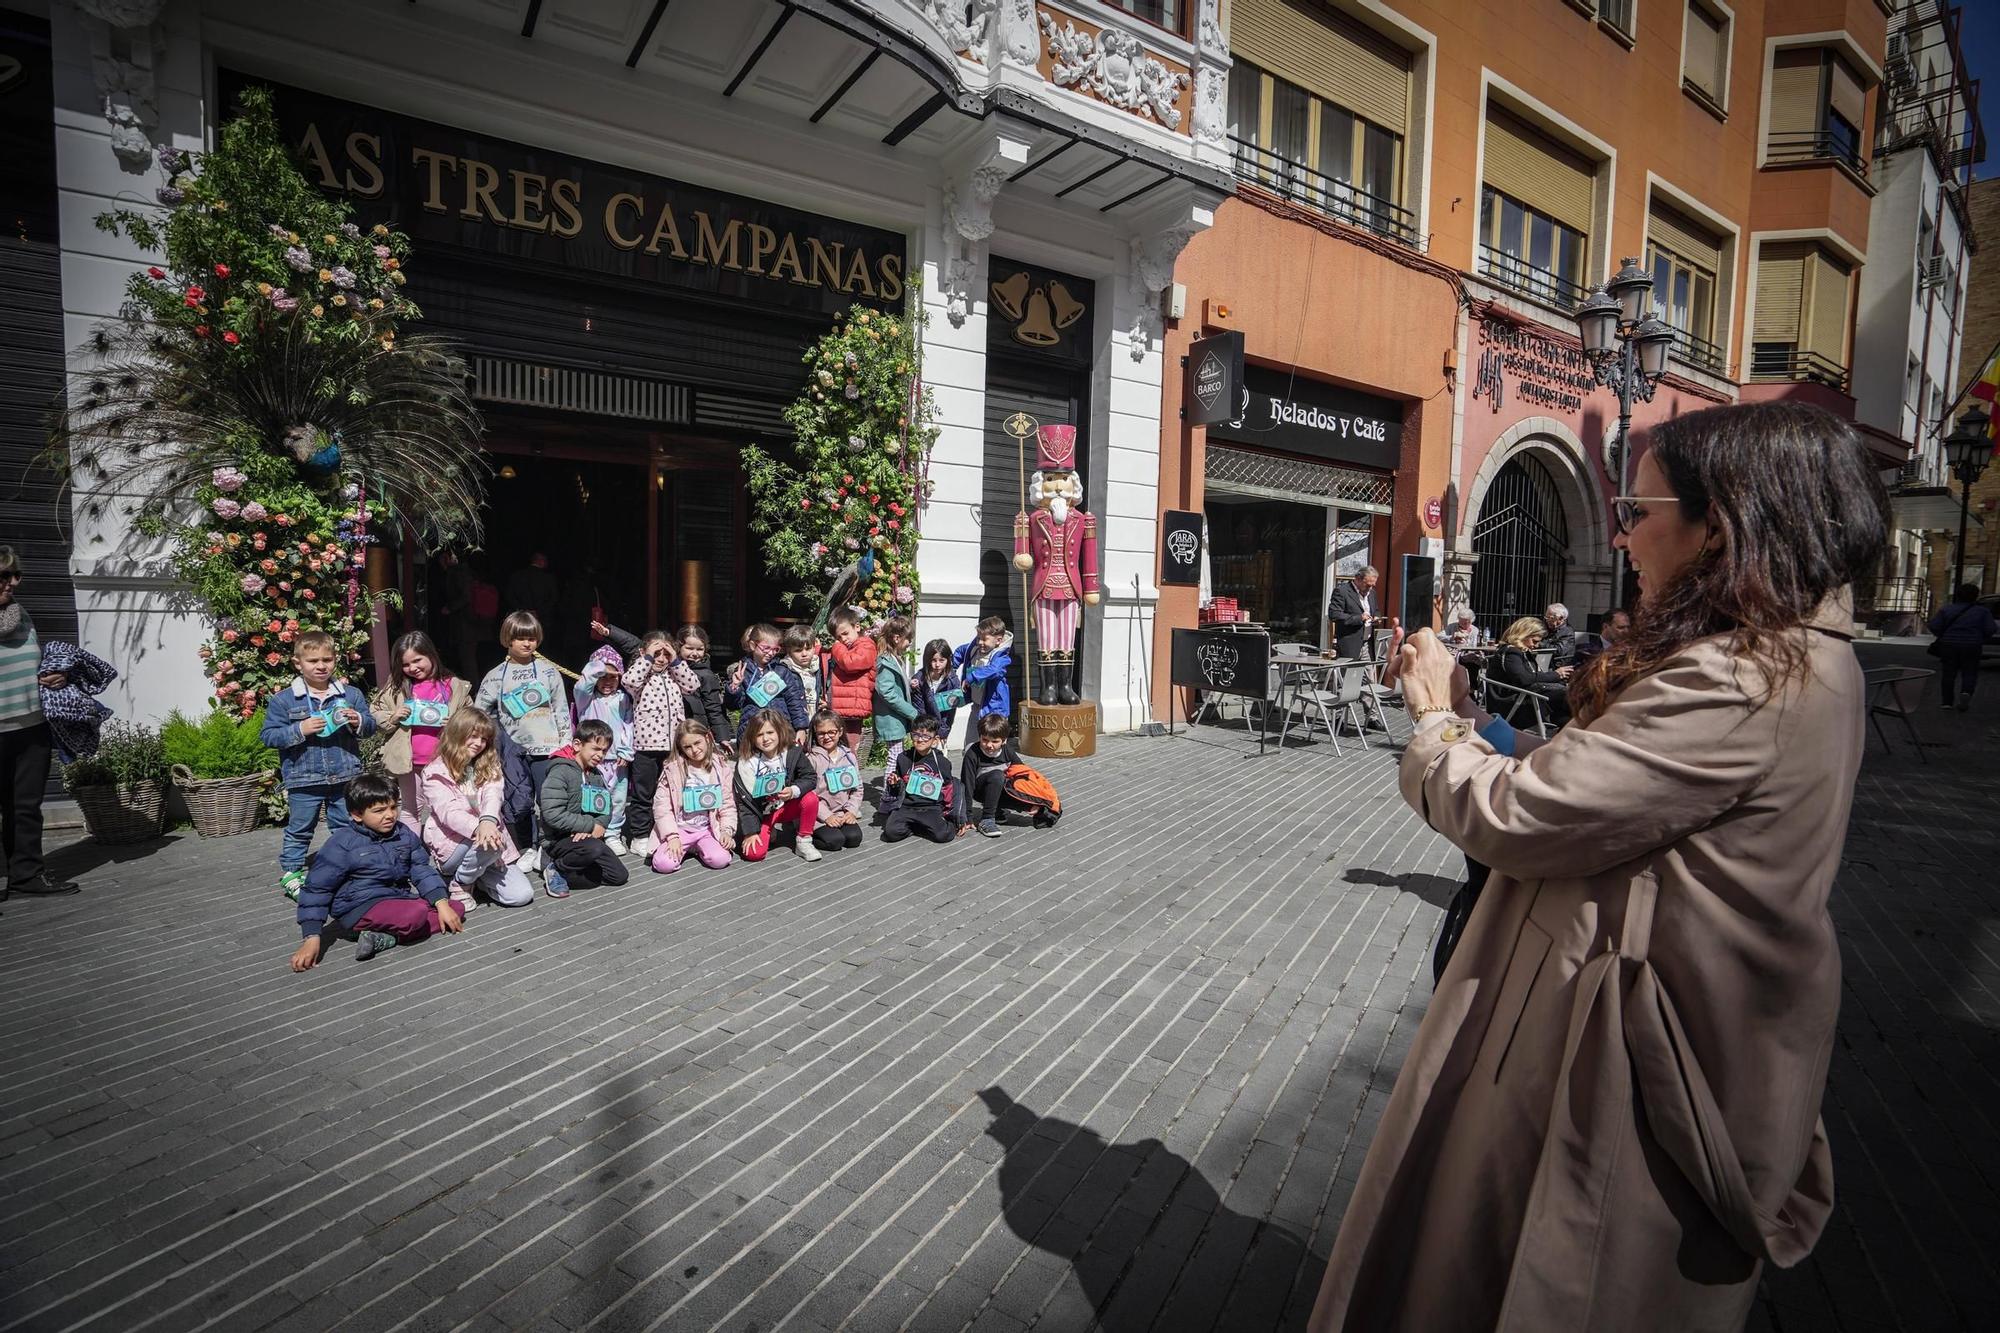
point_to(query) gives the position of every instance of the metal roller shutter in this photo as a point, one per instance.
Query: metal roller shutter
(1795, 78)
(1826, 331)
(1845, 94)
(1327, 54)
(1686, 238)
(1523, 162)
(1704, 50)
(1781, 270)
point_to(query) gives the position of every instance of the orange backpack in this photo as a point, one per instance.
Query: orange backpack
(1030, 788)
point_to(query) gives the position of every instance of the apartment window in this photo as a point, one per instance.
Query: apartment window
(1617, 15)
(1799, 332)
(1319, 111)
(1536, 204)
(1685, 260)
(1817, 107)
(1705, 54)
(1912, 396)
(1166, 13)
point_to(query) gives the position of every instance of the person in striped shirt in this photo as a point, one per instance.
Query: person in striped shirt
(24, 741)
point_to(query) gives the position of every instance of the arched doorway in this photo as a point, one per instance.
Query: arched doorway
(1523, 544)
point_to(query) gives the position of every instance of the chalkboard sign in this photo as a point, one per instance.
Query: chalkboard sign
(1220, 661)
(1180, 548)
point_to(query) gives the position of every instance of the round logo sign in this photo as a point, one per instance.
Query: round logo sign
(1434, 512)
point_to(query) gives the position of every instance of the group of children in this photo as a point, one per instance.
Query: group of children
(482, 788)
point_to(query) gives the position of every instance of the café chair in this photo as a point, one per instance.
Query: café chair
(1897, 692)
(1508, 701)
(1343, 699)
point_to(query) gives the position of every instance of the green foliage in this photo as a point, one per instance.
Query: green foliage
(126, 752)
(220, 745)
(863, 431)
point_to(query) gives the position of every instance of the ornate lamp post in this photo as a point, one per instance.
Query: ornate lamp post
(1627, 350)
(1968, 448)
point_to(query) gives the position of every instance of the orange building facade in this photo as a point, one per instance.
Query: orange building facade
(1426, 193)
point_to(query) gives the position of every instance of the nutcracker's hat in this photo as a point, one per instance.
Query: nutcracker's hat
(1055, 448)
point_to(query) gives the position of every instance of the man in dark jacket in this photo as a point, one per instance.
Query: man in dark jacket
(1352, 612)
(1561, 635)
(372, 880)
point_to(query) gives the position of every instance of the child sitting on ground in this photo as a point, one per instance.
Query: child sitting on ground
(372, 882)
(983, 666)
(774, 785)
(838, 785)
(602, 695)
(924, 782)
(895, 708)
(525, 695)
(316, 727)
(761, 680)
(939, 692)
(463, 790)
(694, 813)
(575, 808)
(661, 690)
(983, 794)
(410, 710)
(850, 674)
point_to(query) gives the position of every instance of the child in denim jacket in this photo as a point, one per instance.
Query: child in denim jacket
(316, 727)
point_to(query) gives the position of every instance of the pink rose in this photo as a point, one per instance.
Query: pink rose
(252, 584)
(225, 507)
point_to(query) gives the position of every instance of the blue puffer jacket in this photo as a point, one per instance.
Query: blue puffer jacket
(356, 869)
(1964, 624)
(985, 676)
(314, 761)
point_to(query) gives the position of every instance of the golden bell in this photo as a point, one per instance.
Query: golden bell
(1035, 327)
(1068, 309)
(1010, 294)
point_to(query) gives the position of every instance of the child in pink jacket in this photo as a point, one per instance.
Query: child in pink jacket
(462, 788)
(694, 811)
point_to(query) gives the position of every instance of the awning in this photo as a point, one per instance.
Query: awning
(1932, 509)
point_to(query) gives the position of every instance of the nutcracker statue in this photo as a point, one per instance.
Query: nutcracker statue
(1056, 545)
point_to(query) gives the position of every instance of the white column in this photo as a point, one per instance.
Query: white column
(954, 370)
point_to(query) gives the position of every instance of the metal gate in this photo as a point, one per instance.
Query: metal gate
(1522, 541)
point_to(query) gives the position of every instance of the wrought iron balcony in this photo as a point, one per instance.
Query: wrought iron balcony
(1697, 352)
(1817, 145)
(1336, 198)
(1778, 364)
(1538, 284)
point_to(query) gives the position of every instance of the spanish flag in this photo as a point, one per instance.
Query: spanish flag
(1986, 389)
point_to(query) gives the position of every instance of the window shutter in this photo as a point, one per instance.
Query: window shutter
(1686, 238)
(1541, 173)
(1780, 291)
(1703, 52)
(1795, 91)
(1826, 334)
(1844, 92)
(1329, 55)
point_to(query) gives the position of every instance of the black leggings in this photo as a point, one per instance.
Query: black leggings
(644, 780)
(833, 837)
(926, 819)
(588, 863)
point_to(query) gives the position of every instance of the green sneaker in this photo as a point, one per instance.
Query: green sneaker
(371, 943)
(291, 882)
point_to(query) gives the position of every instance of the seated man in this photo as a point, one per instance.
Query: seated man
(1558, 633)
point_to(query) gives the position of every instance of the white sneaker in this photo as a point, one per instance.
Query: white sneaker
(617, 845)
(645, 847)
(531, 861)
(808, 852)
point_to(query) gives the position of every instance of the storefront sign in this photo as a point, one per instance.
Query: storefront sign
(1214, 390)
(1180, 548)
(449, 187)
(1038, 310)
(1220, 661)
(1434, 512)
(1546, 373)
(1293, 414)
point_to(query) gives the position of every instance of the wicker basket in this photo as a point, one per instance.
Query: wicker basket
(120, 812)
(221, 807)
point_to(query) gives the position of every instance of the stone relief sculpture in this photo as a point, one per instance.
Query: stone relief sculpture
(963, 22)
(125, 45)
(1113, 67)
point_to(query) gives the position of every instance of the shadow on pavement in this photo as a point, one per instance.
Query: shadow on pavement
(1433, 889)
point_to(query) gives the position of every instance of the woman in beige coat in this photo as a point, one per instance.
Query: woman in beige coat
(1610, 1115)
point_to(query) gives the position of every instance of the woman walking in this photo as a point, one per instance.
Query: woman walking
(1609, 1118)
(1962, 630)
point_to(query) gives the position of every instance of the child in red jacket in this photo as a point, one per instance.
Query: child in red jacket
(850, 674)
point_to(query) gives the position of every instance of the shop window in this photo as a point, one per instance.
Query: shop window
(1705, 34)
(1319, 111)
(1799, 332)
(1817, 108)
(1685, 260)
(1536, 206)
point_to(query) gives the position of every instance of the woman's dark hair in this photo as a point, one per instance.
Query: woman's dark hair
(1802, 515)
(418, 642)
(1967, 592)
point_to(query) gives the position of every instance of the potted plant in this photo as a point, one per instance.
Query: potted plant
(119, 788)
(222, 768)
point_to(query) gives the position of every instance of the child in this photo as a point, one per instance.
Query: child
(660, 689)
(574, 805)
(850, 674)
(802, 656)
(463, 790)
(602, 693)
(409, 712)
(982, 782)
(371, 880)
(984, 664)
(767, 753)
(692, 641)
(762, 681)
(926, 813)
(525, 694)
(895, 710)
(694, 813)
(316, 727)
(939, 690)
(838, 785)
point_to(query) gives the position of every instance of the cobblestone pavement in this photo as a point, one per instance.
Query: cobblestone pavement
(1119, 1075)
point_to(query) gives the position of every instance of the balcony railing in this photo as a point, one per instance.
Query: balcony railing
(1910, 595)
(1697, 352)
(1768, 365)
(1815, 146)
(1315, 190)
(1539, 284)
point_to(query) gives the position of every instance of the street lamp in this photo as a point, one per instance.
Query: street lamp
(1627, 351)
(1967, 448)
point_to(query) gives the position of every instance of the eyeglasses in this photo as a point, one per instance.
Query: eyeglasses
(1626, 511)
(11, 576)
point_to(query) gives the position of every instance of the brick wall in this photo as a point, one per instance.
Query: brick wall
(1982, 332)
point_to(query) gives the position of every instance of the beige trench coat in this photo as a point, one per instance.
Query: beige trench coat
(1610, 1114)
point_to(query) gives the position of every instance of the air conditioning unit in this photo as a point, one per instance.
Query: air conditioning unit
(1931, 271)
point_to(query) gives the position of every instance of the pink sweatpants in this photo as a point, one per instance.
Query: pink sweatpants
(701, 845)
(408, 919)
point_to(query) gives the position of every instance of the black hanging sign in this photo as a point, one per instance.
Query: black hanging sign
(1282, 411)
(1220, 661)
(1214, 388)
(1180, 548)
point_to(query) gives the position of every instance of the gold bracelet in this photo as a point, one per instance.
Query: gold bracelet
(1428, 709)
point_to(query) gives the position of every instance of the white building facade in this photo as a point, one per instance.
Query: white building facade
(1036, 166)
